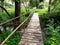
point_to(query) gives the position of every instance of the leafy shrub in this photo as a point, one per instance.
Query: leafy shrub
(14, 40)
(41, 11)
(11, 12)
(52, 33)
(3, 16)
(51, 23)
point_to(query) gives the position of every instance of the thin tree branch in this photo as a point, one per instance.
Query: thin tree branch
(5, 10)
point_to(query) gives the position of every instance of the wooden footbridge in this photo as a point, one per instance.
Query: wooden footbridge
(32, 34)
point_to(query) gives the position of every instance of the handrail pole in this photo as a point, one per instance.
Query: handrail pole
(9, 20)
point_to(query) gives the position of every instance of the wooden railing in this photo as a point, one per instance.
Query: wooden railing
(9, 20)
(16, 27)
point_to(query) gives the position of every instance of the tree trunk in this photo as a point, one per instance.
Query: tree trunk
(37, 3)
(17, 8)
(41, 0)
(17, 12)
(49, 6)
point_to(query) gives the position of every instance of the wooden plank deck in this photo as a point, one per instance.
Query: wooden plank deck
(33, 33)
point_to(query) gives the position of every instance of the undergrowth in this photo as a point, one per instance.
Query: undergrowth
(13, 40)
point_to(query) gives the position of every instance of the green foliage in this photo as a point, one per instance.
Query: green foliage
(52, 33)
(12, 12)
(3, 16)
(52, 24)
(14, 40)
(41, 5)
(4, 34)
(41, 11)
(33, 2)
(55, 7)
(23, 11)
(8, 5)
